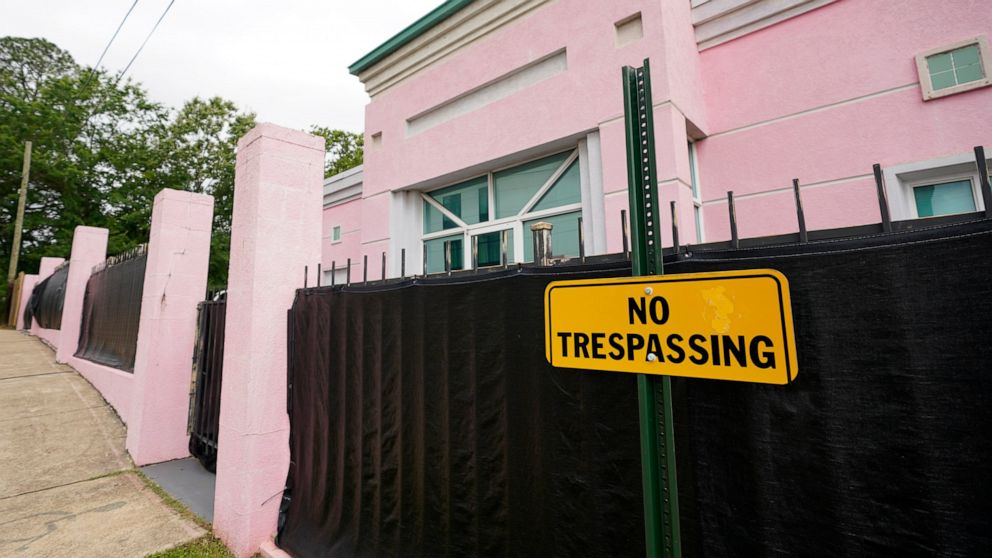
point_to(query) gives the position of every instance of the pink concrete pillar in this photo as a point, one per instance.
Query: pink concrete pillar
(29, 282)
(275, 233)
(47, 267)
(89, 247)
(175, 282)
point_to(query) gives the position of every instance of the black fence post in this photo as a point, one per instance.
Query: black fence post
(883, 199)
(675, 228)
(732, 210)
(803, 235)
(983, 179)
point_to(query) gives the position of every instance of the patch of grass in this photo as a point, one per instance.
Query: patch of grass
(207, 546)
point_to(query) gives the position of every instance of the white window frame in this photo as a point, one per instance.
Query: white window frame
(901, 179)
(340, 234)
(696, 190)
(514, 222)
(923, 70)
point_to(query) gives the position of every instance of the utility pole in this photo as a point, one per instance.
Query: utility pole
(15, 249)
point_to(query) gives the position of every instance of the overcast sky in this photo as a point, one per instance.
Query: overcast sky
(285, 59)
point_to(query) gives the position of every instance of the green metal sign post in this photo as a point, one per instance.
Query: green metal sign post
(661, 502)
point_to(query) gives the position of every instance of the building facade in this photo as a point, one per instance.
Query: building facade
(488, 115)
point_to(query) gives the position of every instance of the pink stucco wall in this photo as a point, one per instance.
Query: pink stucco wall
(823, 96)
(30, 280)
(89, 247)
(276, 231)
(820, 97)
(175, 282)
(348, 216)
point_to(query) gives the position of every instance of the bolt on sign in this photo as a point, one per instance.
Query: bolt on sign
(731, 325)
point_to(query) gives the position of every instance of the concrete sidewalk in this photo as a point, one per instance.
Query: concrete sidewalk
(67, 485)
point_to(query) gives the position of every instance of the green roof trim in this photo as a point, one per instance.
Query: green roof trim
(416, 29)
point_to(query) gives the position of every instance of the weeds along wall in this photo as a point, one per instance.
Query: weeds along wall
(47, 298)
(108, 334)
(425, 420)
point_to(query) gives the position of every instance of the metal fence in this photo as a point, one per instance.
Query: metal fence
(208, 367)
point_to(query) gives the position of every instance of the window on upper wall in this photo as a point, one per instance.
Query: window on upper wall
(954, 68)
(477, 221)
(944, 186)
(336, 233)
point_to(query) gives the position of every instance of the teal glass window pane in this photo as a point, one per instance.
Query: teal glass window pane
(940, 62)
(469, 201)
(962, 65)
(434, 220)
(966, 55)
(943, 80)
(566, 191)
(969, 73)
(515, 187)
(564, 235)
(490, 249)
(435, 253)
(944, 199)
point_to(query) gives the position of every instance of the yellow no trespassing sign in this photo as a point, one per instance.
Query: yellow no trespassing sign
(730, 325)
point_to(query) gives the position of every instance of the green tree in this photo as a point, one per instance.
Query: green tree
(345, 150)
(85, 128)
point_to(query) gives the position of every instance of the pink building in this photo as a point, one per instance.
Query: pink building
(488, 115)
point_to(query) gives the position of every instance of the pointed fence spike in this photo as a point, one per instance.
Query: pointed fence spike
(623, 231)
(803, 235)
(732, 210)
(383, 274)
(883, 200)
(675, 228)
(334, 269)
(582, 244)
(402, 263)
(983, 179)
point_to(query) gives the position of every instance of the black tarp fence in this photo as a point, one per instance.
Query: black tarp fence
(425, 421)
(208, 367)
(47, 298)
(111, 311)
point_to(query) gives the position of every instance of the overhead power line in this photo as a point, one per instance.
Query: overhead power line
(106, 48)
(150, 33)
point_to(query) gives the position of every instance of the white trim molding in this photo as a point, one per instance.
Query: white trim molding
(719, 21)
(466, 26)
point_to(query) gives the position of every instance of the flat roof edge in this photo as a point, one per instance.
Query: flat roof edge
(414, 30)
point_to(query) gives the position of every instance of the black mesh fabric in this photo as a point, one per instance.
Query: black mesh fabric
(47, 298)
(426, 422)
(111, 311)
